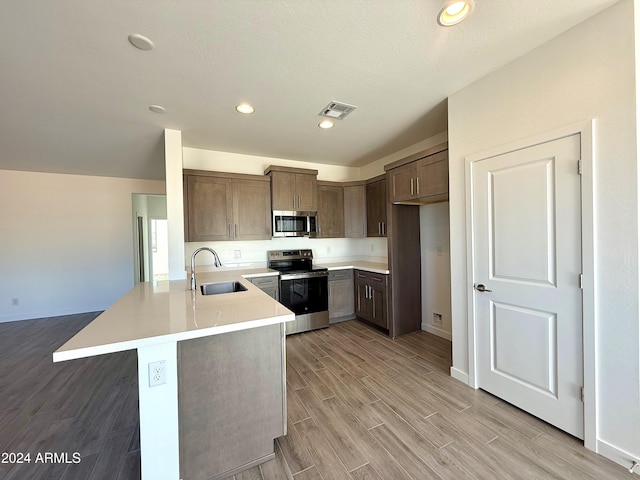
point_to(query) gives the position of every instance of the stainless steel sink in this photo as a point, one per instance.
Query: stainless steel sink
(221, 287)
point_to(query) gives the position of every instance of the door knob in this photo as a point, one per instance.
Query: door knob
(481, 288)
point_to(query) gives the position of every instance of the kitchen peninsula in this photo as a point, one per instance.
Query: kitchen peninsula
(211, 372)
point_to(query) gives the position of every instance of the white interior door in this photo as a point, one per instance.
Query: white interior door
(527, 257)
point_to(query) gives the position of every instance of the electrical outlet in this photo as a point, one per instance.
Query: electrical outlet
(15, 302)
(437, 319)
(237, 254)
(157, 373)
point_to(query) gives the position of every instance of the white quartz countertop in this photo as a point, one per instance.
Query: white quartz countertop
(374, 267)
(159, 312)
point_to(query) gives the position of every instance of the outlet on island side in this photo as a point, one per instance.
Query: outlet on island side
(437, 318)
(157, 373)
(237, 254)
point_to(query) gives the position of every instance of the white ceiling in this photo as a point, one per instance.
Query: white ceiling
(75, 93)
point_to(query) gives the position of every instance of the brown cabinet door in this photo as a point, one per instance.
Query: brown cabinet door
(251, 210)
(377, 209)
(283, 191)
(363, 304)
(403, 182)
(293, 191)
(340, 298)
(209, 209)
(378, 295)
(330, 211)
(433, 175)
(355, 211)
(306, 192)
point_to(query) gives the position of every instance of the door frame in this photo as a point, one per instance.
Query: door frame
(587, 151)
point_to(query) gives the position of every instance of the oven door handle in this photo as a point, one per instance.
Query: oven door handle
(295, 276)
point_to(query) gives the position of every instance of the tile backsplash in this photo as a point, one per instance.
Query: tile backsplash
(254, 253)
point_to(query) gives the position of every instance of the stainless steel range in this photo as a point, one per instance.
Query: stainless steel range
(303, 288)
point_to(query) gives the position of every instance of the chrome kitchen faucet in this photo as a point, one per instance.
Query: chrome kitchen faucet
(216, 262)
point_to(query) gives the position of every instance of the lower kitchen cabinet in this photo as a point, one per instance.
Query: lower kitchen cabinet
(370, 290)
(269, 285)
(341, 301)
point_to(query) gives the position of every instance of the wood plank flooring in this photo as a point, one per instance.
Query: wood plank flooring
(89, 406)
(360, 407)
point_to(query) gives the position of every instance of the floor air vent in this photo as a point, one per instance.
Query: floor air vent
(337, 110)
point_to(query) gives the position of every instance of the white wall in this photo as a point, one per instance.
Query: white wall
(194, 158)
(435, 268)
(175, 211)
(65, 242)
(376, 168)
(587, 72)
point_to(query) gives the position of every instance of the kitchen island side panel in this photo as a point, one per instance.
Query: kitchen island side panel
(231, 394)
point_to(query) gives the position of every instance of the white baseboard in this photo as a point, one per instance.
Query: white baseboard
(459, 375)
(427, 327)
(52, 313)
(617, 455)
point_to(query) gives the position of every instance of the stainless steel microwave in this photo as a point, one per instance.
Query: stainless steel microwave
(294, 223)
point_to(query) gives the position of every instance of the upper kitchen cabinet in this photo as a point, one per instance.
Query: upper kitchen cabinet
(330, 210)
(421, 178)
(226, 206)
(293, 188)
(376, 196)
(355, 210)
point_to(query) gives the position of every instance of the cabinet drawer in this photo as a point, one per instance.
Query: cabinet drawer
(341, 274)
(376, 278)
(265, 282)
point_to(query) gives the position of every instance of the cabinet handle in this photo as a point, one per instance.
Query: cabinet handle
(418, 185)
(411, 185)
(374, 304)
(363, 232)
(236, 231)
(382, 224)
(230, 231)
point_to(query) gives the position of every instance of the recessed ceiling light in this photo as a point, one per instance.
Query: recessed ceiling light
(325, 124)
(245, 108)
(455, 12)
(157, 109)
(140, 41)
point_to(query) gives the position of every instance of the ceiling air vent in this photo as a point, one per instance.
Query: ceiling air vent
(337, 110)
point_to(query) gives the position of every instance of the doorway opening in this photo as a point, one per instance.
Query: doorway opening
(150, 237)
(159, 238)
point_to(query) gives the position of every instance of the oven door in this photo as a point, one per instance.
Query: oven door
(305, 293)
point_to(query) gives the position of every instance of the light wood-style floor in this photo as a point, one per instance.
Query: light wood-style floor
(361, 407)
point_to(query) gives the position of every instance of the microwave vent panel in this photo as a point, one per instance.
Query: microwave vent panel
(337, 110)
